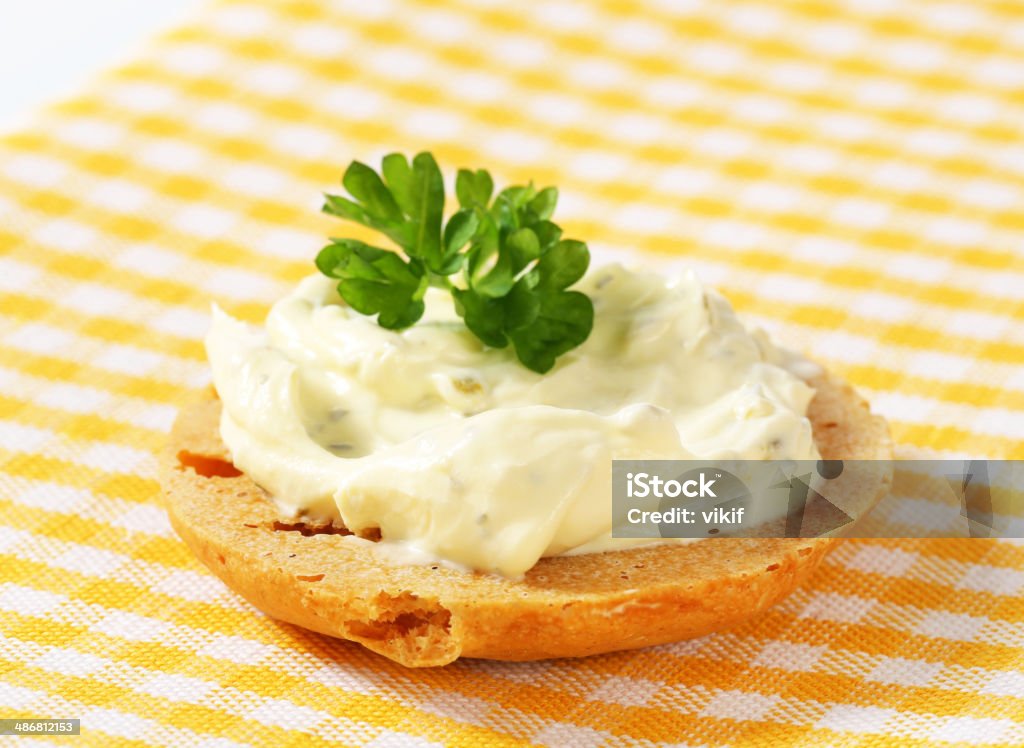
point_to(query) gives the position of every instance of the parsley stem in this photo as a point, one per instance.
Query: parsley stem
(439, 281)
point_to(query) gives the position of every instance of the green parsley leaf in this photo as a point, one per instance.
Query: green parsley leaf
(489, 270)
(515, 266)
(543, 204)
(376, 281)
(460, 229)
(563, 265)
(562, 319)
(407, 206)
(484, 317)
(522, 305)
(523, 247)
(473, 188)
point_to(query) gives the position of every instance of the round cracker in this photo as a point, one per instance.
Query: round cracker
(330, 581)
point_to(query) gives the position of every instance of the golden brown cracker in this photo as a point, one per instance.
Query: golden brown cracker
(325, 579)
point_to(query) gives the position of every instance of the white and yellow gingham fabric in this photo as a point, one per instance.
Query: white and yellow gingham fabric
(850, 174)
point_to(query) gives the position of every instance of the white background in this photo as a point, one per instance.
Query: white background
(50, 48)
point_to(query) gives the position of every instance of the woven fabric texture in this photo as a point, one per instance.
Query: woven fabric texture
(850, 175)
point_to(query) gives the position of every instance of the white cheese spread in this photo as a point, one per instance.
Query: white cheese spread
(457, 452)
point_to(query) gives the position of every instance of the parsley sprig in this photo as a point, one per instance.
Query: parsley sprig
(501, 257)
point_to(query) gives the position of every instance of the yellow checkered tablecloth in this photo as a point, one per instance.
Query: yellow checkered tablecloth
(850, 174)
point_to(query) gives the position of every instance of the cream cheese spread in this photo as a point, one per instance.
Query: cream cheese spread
(457, 452)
